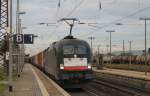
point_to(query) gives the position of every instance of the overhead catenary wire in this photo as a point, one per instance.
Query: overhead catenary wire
(113, 1)
(57, 10)
(56, 14)
(78, 6)
(98, 27)
(100, 5)
(113, 22)
(75, 8)
(59, 3)
(140, 3)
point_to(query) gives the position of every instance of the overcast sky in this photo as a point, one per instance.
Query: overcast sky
(126, 12)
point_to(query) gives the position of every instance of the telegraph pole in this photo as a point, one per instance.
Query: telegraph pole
(91, 38)
(130, 43)
(98, 49)
(107, 52)
(10, 47)
(99, 57)
(110, 31)
(123, 52)
(145, 19)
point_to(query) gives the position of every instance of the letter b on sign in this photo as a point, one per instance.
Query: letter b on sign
(18, 38)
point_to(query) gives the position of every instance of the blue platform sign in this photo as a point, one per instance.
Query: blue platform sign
(23, 38)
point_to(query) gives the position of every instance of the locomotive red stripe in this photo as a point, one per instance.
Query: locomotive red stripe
(72, 68)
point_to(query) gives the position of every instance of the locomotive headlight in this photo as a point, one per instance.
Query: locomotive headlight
(89, 67)
(61, 66)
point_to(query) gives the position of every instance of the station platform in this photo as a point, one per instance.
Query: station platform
(33, 82)
(126, 73)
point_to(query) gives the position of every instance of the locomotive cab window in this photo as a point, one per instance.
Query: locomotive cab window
(68, 49)
(81, 49)
(71, 49)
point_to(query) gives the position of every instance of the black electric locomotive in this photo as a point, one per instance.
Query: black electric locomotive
(69, 61)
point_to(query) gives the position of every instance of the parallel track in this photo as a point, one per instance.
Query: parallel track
(122, 89)
(102, 88)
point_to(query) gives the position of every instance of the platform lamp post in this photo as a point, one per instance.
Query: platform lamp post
(145, 19)
(19, 29)
(110, 31)
(22, 51)
(18, 19)
(10, 47)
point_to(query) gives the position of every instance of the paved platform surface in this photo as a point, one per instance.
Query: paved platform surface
(24, 86)
(132, 74)
(33, 83)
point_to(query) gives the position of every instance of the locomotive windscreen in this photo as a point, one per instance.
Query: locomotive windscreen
(68, 49)
(74, 49)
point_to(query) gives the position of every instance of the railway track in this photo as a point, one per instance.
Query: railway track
(102, 88)
(121, 89)
(77, 92)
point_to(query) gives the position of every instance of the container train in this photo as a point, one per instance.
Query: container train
(67, 61)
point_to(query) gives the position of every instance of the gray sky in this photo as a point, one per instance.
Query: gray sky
(126, 12)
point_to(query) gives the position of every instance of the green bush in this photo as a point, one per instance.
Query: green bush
(3, 75)
(2, 88)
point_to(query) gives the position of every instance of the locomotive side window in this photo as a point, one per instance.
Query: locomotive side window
(68, 49)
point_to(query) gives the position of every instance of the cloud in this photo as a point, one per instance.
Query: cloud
(88, 11)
